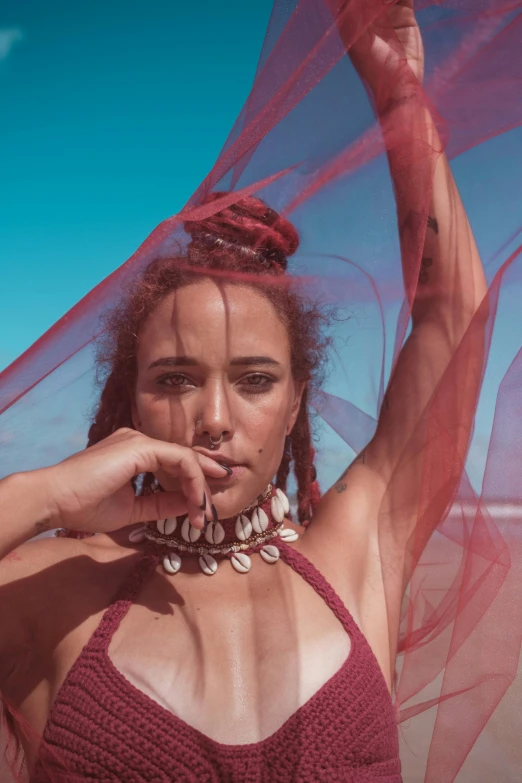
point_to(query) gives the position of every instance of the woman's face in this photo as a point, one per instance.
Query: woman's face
(214, 361)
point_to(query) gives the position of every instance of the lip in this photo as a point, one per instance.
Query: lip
(221, 459)
(237, 471)
(237, 468)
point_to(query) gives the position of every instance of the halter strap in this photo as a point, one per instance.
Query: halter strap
(122, 601)
(305, 568)
(147, 564)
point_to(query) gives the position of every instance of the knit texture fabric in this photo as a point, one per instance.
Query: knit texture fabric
(102, 728)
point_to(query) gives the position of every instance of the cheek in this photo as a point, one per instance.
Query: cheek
(264, 425)
(259, 423)
(163, 417)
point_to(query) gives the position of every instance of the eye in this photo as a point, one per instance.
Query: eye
(175, 381)
(257, 381)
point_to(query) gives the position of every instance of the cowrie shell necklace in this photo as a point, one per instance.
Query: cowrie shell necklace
(255, 529)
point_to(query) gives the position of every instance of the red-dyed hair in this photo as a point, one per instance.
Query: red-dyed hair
(252, 242)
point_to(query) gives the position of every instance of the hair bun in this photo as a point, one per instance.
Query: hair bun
(248, 228)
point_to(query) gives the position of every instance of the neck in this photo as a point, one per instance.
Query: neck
(253, 526)
(252, 530)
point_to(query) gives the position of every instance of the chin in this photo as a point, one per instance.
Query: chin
(231, 498)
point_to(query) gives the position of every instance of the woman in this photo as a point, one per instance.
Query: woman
(165, 663)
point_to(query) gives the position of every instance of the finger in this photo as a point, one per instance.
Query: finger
(199, 499)
(210, 467)
(179, 460)
(193, 485)
(160, 505)
(190, 468)
(182, 463)
(174, 459)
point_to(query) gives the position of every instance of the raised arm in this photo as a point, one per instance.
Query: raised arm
(427, 414)
(411, 468)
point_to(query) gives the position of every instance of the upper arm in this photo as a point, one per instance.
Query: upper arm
(418, 452)
(20, 601)
(24, 590)
(374, 522)
(17, 601)
(410, 469)
(415, 459)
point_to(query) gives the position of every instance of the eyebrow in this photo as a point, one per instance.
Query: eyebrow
(188, 361)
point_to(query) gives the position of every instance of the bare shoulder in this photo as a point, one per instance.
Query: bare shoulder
(49, 573)
(35, 556)
(40, 554)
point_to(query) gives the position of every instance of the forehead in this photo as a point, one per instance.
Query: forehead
(216, 322)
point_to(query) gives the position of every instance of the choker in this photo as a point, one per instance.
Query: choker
(235, 538)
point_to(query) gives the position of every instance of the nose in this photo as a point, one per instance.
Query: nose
(214, 423)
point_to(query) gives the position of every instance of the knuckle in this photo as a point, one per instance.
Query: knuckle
(190, 461)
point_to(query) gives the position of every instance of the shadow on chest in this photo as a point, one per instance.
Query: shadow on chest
(233, 656)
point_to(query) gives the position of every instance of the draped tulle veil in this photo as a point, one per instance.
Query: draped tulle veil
(309, 143)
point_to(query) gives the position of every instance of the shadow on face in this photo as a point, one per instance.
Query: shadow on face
(214, 366)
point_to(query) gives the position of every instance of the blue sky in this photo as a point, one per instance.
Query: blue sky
(113, 112)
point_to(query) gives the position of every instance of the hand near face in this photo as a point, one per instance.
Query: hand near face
(92, 492)
(214, 367)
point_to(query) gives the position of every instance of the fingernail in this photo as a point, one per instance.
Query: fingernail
(214, 513)
(204, 504)
(225, 467)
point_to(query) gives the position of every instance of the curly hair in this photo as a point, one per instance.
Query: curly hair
(252, 242)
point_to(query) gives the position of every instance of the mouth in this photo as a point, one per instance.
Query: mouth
(235, 468)
(235, 472)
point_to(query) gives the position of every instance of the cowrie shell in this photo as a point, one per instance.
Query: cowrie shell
(269, 553)
(241, 562)
(287, 534)
(215, 533)
(137, 535)
(278, 511)
(208, 564)
(243, 527)
(170, 525)
(160, 524)
(172, 563)
(189, 533)
(259, 520)
(284, 500)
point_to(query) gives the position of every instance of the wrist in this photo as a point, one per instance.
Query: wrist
(26, 509)
(34, 488)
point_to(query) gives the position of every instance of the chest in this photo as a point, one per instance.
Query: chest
(224, 675)
(233, 657)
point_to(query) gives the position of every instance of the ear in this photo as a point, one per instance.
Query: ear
(299, 386)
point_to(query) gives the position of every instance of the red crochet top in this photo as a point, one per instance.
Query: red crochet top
(103, 728)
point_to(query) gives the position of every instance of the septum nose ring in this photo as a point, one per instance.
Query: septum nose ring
(215, 442)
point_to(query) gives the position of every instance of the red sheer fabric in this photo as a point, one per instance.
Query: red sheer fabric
(307, 141)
